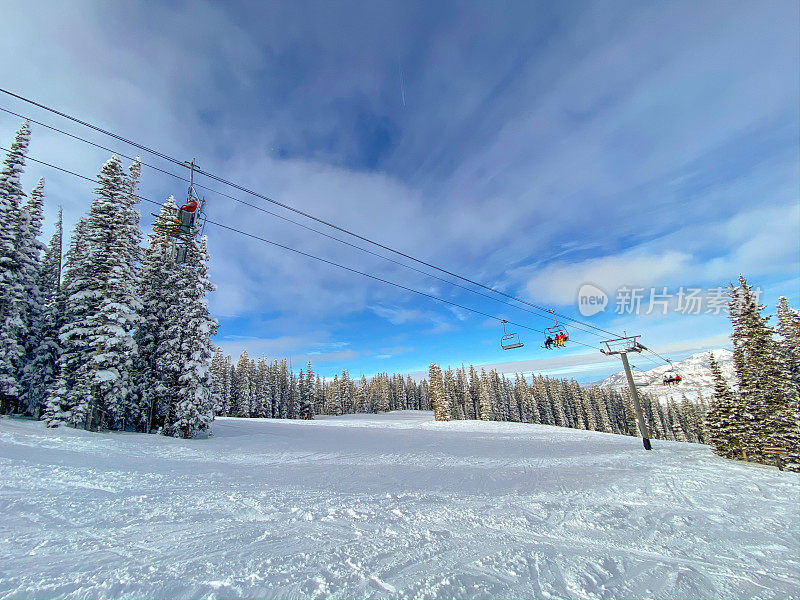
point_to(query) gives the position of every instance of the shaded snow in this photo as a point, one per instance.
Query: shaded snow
(387, 506)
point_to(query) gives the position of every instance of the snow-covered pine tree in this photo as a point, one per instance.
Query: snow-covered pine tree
(383, 393)
(193, 411)
(28, 301)
(11, 196)
(319, 396)
(302, 395)
(533, 406)
(113, 237)
(218, 369)
(601, 409)
(463, 395)
(66, 402)
(542, 401)
(309, 404)
(156, 337)
(263, 389)
(689, 419)
(761, 379)
(486, 408)
(12, 291)
(346, 392)
(449, 381)
(334, 398)
(674, 418)
(438, 396)
(294, 404)
(784, 425)
(559, 412)
(229, 405)
(282, 391)
(721, 421)
(41, 369)
(789, 342)
(362, 396)
(241, 386)
(629, 415)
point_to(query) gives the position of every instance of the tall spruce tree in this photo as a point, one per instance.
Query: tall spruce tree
(41, 370)
(113, 237)
(12, 289)
(438, 396)
(157, 350)
(11, 196)
(192, 412)
(722, 423)
(761, 383)
(17, 334)
(66, 402)
(784, 424)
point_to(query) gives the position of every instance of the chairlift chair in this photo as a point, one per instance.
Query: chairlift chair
(182, 227)
(672, 376)
(556, 329)
(509, 341)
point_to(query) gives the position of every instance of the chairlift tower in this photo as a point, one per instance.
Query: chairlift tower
(623, 346)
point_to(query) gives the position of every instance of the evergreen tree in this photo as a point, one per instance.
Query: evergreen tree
(721, 422)
(486, 409)
(12, 286)
(42, 368)
(383, 393)
(112, 297)
(66, 402)
(218, 369)
(438, 396)
(193, 411)
(335, 398)
(761, 380)
(28, 249)
(362, 396)
(241, 386)
(319, 396)
(157, 347)
(11, 196)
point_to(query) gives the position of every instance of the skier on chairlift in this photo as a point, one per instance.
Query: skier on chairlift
(548, 343)
(185, 217)
(190, 206)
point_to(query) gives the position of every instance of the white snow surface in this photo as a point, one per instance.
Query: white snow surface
(387, 506)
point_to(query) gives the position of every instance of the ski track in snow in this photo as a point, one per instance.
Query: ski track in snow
(387, 506)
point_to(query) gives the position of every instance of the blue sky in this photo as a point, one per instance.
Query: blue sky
(531, 146)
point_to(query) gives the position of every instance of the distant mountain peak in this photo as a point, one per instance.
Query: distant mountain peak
(695, 372)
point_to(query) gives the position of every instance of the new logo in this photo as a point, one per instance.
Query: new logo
(591, 300)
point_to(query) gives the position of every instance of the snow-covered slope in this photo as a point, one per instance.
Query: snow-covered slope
(387, 506)
(695, 371)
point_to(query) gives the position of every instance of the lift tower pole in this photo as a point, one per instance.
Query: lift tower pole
(622, 346)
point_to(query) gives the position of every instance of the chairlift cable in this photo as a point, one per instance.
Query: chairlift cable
(304, 226)
(290, 208)
(306, 254)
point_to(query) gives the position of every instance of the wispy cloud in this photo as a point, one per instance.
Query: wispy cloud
(601, 141)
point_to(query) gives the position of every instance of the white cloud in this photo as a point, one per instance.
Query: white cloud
(558, 283)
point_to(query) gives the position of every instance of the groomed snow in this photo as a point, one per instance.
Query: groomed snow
(387, 506)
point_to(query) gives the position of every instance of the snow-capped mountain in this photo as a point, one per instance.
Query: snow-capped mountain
(694, 370)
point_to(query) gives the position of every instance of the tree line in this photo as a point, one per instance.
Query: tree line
(118, 338)
(260, 388)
